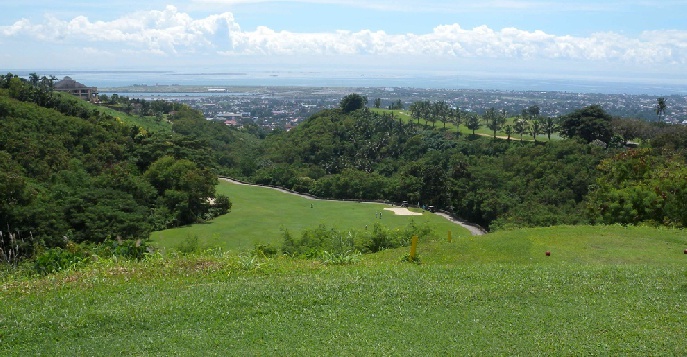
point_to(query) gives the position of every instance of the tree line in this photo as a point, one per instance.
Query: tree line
(355, 153)
(70, 173)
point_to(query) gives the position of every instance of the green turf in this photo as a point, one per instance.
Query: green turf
(404, 115)
(259, 215)
(606, 290)
(492, 295)
(148, 123)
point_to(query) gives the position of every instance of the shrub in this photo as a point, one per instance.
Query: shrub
(57, 259)
(344, 258)
(265, 250)
(190, 245)
(220, 206)
(331, 245)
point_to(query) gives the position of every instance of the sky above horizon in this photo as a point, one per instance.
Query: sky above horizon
(583, 39)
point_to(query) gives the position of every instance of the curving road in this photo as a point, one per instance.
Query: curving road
(474, 229)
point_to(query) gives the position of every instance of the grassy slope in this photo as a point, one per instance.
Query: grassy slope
(483, 130)
(259, 214)
(149, 123)
(477, 296)
(604, 290)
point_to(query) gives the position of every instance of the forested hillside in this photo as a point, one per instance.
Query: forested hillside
(70, 172)
(74, 172)
(361, 154)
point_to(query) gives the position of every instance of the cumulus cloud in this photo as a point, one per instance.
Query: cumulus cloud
(445, 6)
(171, 32)
(163, 32)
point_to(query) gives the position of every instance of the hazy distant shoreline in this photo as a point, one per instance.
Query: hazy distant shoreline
(161, 80)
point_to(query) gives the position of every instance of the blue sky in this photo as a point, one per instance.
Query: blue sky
(612, 40)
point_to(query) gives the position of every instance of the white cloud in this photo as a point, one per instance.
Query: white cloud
(174, 33)
(456, 6)
(163, 32)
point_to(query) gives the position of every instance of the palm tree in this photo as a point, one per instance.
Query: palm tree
(426, 111)
(442, 111)
(520, 127)
(508, 129)
(494, 120)
(456, 120)
(661, 107)
(535, 128)
(550, 126)
(533, 111)
(473, 123)
(52, 79)
(34, 79)
(415, 111)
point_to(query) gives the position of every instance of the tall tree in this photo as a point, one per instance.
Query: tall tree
(589, 123)
(660, 107)
(378, 102)
(442, 112)
(494, 120)
(352, 102)
(426, 110)
(536, 127)
(508, 129)
(455, 116)
(533, 111)
(521, 126)
(550, 126)
(34, 79)
(473, 122)
(416, 111)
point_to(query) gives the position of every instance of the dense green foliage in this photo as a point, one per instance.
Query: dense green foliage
(640, 187)
(314, 242)
(367, 154)
(495, 183)
(589, 123)
(352, 102)
(73, 173)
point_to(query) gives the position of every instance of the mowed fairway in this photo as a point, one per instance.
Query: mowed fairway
(259, 214)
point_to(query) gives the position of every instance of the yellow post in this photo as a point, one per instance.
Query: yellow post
(413, 249)
(449, 236)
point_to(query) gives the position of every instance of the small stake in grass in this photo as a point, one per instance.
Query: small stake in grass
(449, 237)
(413, 249)
(548, 254)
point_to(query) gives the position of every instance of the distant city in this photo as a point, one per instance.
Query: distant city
(282, 99)
(285, 107)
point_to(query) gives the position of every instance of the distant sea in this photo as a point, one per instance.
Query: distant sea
(429, 80)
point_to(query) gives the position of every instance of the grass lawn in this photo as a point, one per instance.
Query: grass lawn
(483, 130)
(149, 123)
(259, 214)
(607, 290)
(603, 291)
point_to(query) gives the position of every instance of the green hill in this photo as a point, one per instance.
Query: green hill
(607, 290)
(69, 171)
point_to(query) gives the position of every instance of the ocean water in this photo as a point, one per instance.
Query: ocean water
(428, 80)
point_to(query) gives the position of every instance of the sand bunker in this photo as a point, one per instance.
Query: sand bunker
(402, 211)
